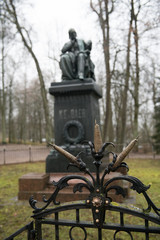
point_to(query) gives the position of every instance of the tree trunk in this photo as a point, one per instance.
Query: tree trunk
(136, 89)
(107, 130)
(3, 105)
(30, 50)
(125, 92)
(10, 118)
(103, 16)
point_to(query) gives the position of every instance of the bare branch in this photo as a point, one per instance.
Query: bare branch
(115, 60)
(53, 58)
(93, 8)
(27, 33)
(112, 8)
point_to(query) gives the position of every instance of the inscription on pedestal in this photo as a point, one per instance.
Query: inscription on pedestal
(72, 113)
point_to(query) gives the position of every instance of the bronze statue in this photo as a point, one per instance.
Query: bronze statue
(75, 61)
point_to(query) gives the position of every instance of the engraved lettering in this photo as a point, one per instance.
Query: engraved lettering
(83, 113)
(61, 114)
(65, 113)
(73, 113)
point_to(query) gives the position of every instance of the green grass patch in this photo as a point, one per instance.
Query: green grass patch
(148, 171)
(15, 214)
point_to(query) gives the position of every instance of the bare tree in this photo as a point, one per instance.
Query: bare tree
(127, 76)
(3, 93)
(11, 76)
(29, 118)
(103, 9)
(10, 8)
(137, 79)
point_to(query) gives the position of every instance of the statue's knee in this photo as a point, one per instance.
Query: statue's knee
(64, 57)
(81, 55)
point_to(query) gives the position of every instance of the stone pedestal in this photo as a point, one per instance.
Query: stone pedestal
(39, 185)
(32, 183)
(76, 108)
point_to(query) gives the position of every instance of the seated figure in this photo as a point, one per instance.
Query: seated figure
(75, 61)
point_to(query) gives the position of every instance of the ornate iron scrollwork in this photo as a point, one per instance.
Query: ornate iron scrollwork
(83, 229)
(98, 198)
(116, 233)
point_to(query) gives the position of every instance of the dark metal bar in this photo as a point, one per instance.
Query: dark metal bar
(99, 234)
(121, 219)
(38, 228)
(77, 215)
(56, 227)
(147, 236)
(73, 206)
(26, 227)
(146, 225)
(60, 209)
(4, 156)
(140, 214)
(30, 234)
(30, 154)
(97, 176)
(132, 228)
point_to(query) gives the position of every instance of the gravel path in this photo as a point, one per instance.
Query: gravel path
(22, 153)
(19, 153)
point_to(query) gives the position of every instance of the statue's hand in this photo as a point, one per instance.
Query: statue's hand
(89, 45)
(87, 52)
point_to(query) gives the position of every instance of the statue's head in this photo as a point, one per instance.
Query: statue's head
(72, 34)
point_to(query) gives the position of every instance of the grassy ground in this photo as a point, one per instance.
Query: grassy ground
(14, 214)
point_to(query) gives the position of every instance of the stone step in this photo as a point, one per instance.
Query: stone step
(62, 196)
(38, 185)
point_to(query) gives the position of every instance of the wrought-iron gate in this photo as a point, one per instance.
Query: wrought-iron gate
(98, 202)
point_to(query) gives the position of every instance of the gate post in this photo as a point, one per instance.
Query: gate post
(4, 155)
(38, 229)
(30, 154)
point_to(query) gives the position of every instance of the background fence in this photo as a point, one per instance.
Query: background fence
(24, 153)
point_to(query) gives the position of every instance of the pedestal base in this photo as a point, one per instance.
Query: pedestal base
(38, 185)
(56, 162)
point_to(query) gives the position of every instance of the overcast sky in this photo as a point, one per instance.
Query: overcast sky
(51, 20)
(62, 14)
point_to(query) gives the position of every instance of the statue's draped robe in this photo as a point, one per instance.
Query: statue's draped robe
(75, 61)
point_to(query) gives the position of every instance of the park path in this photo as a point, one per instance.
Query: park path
(20, 153)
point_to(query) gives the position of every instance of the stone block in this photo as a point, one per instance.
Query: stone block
(33, 182)
(38, 185)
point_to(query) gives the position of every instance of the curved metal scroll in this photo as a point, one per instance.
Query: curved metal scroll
(98, 198)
